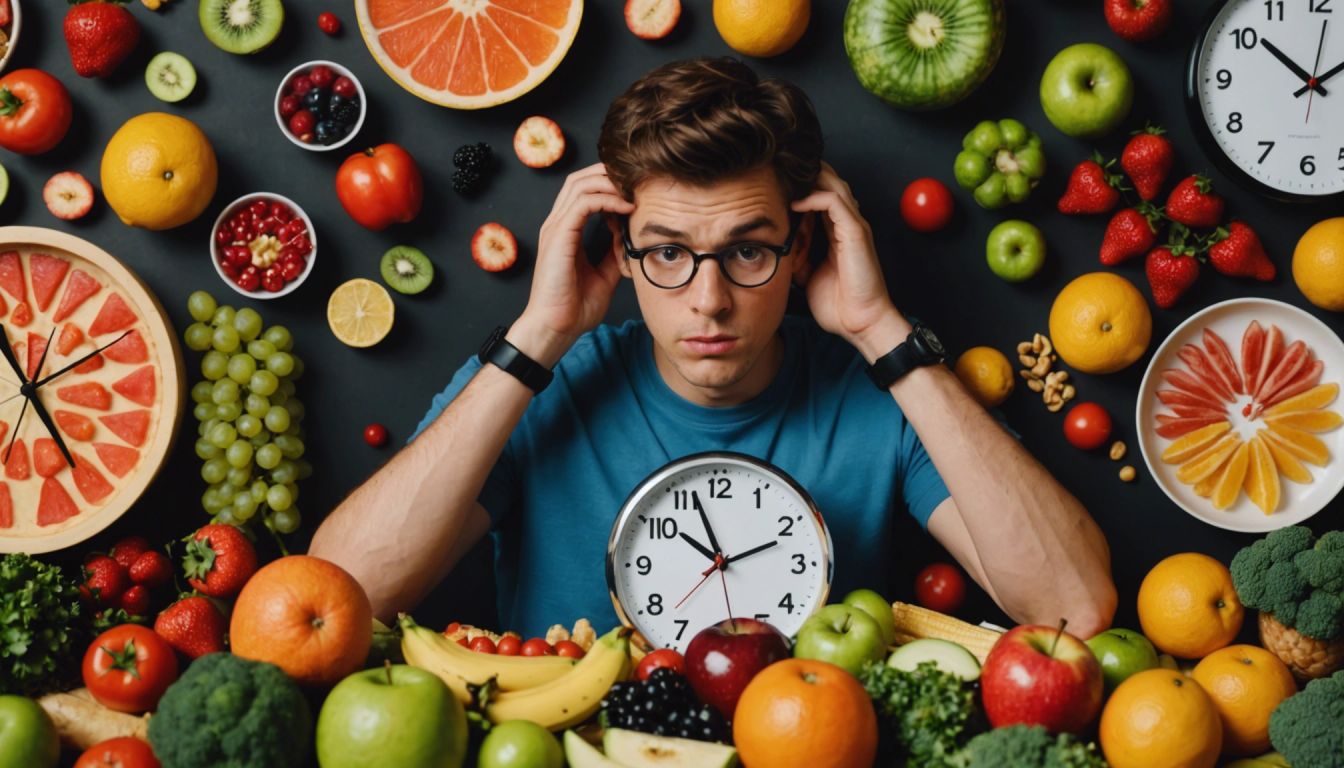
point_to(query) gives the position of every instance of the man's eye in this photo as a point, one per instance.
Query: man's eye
(748, 253)
(668, 255)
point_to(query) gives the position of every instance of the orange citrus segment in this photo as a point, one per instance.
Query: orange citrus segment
(1208, 462)
(389, 12)
(533, 40)
(1302, 445)
(1204, 488)
(1287, 463)
(1262, 478)
(1314, 398)
(1191, 445)
(436, 65)
(1228, 487)
(1310, 421)
(403, 44)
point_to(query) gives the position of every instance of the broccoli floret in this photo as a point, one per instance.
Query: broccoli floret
(1283, 584)
(1248, 573)
(1296, 578)
(1023, 746)
(924, 715)
(1308, 728)
(1323, 564)
(228, 712)
(1320, 616)
(1286, 542)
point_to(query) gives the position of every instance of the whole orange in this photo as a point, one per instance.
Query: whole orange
(1187, 606)
(1246, 683)
(805, 713)
(1160, 717)
(305, 615)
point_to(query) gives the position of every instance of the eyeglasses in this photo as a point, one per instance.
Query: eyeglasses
(747, 264)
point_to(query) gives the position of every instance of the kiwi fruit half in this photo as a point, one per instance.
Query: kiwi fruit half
(241, 26)
(407, 269)
(170, 76)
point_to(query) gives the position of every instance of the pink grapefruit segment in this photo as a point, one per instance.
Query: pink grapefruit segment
(76, 425)
(54, 505)
(69, 339)
(47, 458)
(138, 386)
(11, 275)
(115, 316)
(77, 291)
(89, 394)
(47, 272)
(131, 426)
(131, 349)
(16, 464)
(89, 481)
(6, 507)
(118, 459)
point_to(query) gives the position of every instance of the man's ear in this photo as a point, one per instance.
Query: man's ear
(802, 247)
(617, 244)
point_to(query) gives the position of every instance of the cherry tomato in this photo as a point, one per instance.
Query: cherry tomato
(509, 645)
(380, 186)
(537, 646)
(451, 628)
(940, 587)
(35, 111)
(121, 752)
(663, 657)
(127, 668)
(375, 435)
(569, 649)
(482, 644)
(926, 205)
(329, 23)
(1087, 426)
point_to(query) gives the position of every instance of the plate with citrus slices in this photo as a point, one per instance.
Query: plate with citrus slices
(1239, 417)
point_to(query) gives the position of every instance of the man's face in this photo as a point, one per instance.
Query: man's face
(714, 341)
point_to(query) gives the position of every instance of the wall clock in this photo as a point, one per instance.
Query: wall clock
(1265, 95)
(715, 533)
(91, 383)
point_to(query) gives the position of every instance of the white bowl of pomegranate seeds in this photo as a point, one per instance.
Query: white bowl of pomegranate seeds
(320, 105)
(263, 245)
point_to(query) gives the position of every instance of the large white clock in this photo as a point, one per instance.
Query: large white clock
(715, 535)
(1265, 88)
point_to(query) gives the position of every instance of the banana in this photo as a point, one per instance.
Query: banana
(574, 697)
(459, 667)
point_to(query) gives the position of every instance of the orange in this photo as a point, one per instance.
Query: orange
(761, 27)
(158, 171)
(1262, 476)
(1318, 264)
(1228, 486)
(1160, 717)
(468, 55)
(1188, 446)
(1187, 606)
(1100, 323)
(1246, 683)
(1301, 444)
(305, 615)
(987, 374)
(803, 712)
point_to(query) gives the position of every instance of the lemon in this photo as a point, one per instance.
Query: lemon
(1318, 264)
(987, 374)
(1100, 323)
(761, 27)
(158, 171)
(360, 312)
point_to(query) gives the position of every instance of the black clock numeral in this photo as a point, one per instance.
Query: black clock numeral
(662, 528)
(757, 493)
(1308, 165)
(1320, 6)
(683, 623)
(786, 602)
(719, 488)
(681, 499)
(1271, 6)
(800, 564)
(1234, 122)
(655, 605)
(787, 521)
(1246, 37)
(1268, 145)
(644, 565)
(1341, 158)
(1224, 78)
(761, 616)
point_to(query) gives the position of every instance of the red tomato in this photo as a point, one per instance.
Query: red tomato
(1087, 426)
(926, 205)
(537, 647)
(34, 111)
(375, 435)
(663, 657)
(509, 645)
(121, 752)
(380, 186)
(482, 644)
(569, 649)
(940, 587)
(127, 668)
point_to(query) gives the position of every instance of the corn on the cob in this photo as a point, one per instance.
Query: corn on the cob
(914, 622)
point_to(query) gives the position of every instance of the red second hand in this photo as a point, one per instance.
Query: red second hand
(724, 578)
(705, 574)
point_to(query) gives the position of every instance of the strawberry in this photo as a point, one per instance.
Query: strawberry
(494, 248)
(539, 142)
(104, 581)
(1194, 203)
(1138, 20)
(135, 600)
(1171, 270)
(1092, 189)
(152, 569)
(1131, 232)
(219, 560)
(193, 626)
(1237, 252)
(128, 549)
(100, 35)
(68, 195)
(1148, 158)
(652, 19)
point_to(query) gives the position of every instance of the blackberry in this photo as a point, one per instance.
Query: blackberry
(467, 182)
(664, 705)
(345, 111)
(473, 157)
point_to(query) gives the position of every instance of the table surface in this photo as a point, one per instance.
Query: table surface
(941, 278)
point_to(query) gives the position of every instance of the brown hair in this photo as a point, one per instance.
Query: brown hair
(706, 119)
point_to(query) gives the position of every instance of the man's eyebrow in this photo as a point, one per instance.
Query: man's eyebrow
(654, 228)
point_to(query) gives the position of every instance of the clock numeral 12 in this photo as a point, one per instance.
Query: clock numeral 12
(1320, 6)
(719, 488)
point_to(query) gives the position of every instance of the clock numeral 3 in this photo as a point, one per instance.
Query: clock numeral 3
(655, 606)
(1268, 145)
(719, 488)
(1308, 165)
(644, 565)
(1234, 122)
(682, 629)
(1321, 6)
(800, 564)
(1224, 78)
(786, 602)
(787, 530)
(1246, 37)
(662, 528)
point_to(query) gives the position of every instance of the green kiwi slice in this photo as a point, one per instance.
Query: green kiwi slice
(170, 76)
(241, 26)
(406, 269)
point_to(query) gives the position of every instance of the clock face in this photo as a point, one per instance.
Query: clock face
(763, 528)
(1269, 79)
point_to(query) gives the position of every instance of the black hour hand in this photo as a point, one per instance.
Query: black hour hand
(76, 363)
(701, 548)
(42, 414)
(1289, 63)
(8, 352)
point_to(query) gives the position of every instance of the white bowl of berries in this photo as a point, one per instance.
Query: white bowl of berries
(320, 106)
(263, 245)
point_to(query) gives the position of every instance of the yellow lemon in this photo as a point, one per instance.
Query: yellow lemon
(987, 374)
(1100, 323)
(761, 27)
(360, 312)
(159, 171)
(1318, 264)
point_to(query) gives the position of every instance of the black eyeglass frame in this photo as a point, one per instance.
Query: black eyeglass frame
(780, 251)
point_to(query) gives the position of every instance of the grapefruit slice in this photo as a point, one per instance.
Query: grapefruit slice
(137, 386)
(1304, 381)
(118, 459)
(1262, 479)
(468, 55)
(22, 315)
(1312, 399)
(6, 507)
(37, 346)
(76, 425)
(90, 365)
(4, 430)
(1230, 480)
(1301, 444)
(131, 426)
(89, 394)
(16, 466)
(1252, 344)
(1172, 427)
(1189, 446)
(1287, 463)
(3, 306)
(77, 291)
(1269, 357)
(1222, 359)
(89, 481)
(1293, 362)
(47, 272)
(69, 339)
(131, 349)
(116, 315)
(1179, 397)
(55, 505)
(11, 275)
(47, 458)
(1200, 365)
(1192, 385)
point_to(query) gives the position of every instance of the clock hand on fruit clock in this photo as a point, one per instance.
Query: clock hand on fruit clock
(704, 576)
(749, 552)
(1290, 64)
(1329, 73)
(704, 518)
(30, 390)
(8, 352)
(1316, 68)
(701, 548)
(76, 363)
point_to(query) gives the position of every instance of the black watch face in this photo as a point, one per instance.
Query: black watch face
(931, 342)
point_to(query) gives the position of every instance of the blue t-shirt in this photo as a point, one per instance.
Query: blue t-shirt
(608, 420)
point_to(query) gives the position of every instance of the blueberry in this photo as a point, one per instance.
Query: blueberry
(316, 100)
(325, 132)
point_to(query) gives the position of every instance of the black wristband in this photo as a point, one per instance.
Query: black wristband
(511, 360)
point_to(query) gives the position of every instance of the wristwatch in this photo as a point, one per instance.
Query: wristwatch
(512, 361)
(920, 348)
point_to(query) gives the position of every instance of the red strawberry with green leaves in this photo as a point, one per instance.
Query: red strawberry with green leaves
(1148, 158)
(104, 581)
(1093, 187)
(219, 560)
(100, 35)
(1171, 270)
(1194, 203)
(1138, 20)
(1237, 252)
(193, 626)
(1131, 232)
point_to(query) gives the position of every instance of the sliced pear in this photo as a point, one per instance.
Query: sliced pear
(1307, 421)
(1313, 399)
(581, 754)
(945, 654)
(1302, 445)
(1262, 478)
(1187, 447)
(1287, 463)
(645, 750)
(1228, 487)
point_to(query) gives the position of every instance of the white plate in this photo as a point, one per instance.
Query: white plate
(1229, 320)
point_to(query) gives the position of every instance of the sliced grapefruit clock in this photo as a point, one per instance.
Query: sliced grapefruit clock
(91, 388)
(468, 54)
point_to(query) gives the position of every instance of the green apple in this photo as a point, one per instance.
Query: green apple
(1015, 250)
(1086, 90)
(395, 715)
(1122, 652)
(27, 735)
(879, 608)
(842, 634)
(520, 744)
(4, 183)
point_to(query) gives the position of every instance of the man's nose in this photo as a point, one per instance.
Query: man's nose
(710, 290)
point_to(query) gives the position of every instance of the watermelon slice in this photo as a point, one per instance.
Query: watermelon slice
(47, 458)
(73, 424)
(115, 315)
(46, 272)
(90, 394)
(90, 365)
(37, 346)
(23, 315)
(6, 507)
(131, 349)
(77, 291)
(16, 466)
(138, 386)
(11, 275)
(89, 481)
(69, 339)
(118, 459)
(131, 426)
(54, 505)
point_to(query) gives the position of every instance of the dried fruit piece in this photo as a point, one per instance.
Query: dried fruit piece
(1194, 443)
(1228, 487)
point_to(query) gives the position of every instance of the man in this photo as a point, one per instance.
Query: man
(699, 157)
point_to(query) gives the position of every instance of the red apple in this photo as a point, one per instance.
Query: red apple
(722, 659)
(1041, 675)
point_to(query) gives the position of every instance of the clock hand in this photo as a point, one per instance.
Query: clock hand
(1316, 68)
(704, 576)
(704, 518)
(80, 360)
(750, 552)
(8, 352)
(30, 389)
(701, 548)
(13, 435)
(1329, 73)
(723, 576)
(1289, 63)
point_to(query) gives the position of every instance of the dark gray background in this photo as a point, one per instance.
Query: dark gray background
(941, 278)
